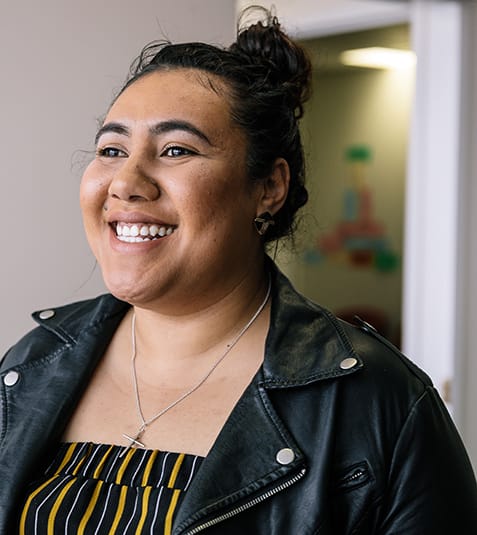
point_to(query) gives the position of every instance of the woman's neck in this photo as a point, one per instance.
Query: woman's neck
(205, 332)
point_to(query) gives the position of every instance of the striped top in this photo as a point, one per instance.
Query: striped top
(90, 489)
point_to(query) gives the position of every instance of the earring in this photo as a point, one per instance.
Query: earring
(263, 221)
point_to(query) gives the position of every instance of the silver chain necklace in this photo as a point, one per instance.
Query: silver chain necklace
(134, 441)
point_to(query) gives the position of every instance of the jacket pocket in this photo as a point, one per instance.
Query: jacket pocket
(355, 499)
(354, 476)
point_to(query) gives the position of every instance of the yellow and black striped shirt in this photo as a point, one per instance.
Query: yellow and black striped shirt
(90, 489)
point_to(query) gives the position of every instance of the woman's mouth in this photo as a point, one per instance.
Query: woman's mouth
(141, 232)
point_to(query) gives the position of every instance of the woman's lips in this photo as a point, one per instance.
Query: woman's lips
(141, 232)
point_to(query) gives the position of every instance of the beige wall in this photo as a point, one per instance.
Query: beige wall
(61, 61)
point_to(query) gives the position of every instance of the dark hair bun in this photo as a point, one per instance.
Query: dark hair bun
(265, 45)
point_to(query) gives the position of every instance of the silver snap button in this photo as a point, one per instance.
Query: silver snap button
(11, 378)
(348, 363)
(46, 314)
(285, 456)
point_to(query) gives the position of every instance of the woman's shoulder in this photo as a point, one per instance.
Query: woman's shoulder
(62, 326)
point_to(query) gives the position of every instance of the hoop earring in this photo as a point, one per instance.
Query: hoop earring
(263, 221)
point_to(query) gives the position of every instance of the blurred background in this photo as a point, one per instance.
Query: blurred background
(389, 134)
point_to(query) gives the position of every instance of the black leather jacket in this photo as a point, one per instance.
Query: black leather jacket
(337, 434)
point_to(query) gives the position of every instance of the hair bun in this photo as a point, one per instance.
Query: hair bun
(284, 63)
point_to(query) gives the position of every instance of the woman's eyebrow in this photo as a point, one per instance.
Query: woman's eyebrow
(117, 128)
(156, 129)
(176, 124)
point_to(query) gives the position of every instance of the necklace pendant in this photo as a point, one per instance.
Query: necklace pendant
(133, 443)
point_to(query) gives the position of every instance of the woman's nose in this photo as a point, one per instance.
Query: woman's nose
(131, 183)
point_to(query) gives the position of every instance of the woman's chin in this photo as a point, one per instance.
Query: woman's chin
(140, 290)
(128, 290)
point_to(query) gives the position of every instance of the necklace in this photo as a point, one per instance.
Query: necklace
(135, 441)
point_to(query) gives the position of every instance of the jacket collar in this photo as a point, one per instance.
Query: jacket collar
(323, 343)
(70, 322)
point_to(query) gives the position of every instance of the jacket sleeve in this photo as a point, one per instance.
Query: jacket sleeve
(431, 486)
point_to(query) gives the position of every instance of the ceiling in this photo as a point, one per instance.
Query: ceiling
(325, 51)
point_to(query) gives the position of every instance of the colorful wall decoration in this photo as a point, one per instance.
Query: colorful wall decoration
(358, 239)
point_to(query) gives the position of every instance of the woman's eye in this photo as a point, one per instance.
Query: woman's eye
(176, 152)
(111, 152)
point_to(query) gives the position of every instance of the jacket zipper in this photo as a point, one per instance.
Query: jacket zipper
(356, 475)
(247, 505)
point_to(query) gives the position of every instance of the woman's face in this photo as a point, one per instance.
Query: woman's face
(167, 204)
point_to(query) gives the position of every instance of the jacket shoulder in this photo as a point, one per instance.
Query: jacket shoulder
(378, 351)
(389, 383)
(61, 326)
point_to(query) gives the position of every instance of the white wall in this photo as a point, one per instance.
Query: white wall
(60, 62)
(429, 305)
(465, 398)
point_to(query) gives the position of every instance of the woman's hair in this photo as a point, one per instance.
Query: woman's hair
(267, 77)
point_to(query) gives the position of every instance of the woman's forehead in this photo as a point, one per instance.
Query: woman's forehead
(192, 89)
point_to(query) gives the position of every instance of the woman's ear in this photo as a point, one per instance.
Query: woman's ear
(274, 189)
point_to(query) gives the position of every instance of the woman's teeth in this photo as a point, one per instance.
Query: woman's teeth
(137, 233)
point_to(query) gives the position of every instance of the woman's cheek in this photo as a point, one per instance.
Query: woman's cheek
(93, 191)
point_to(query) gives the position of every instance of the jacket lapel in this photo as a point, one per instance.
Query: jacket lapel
(242, 465)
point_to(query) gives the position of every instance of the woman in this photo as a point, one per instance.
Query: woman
(207, 395)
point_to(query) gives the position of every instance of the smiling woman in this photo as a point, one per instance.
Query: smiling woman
(204, 393)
